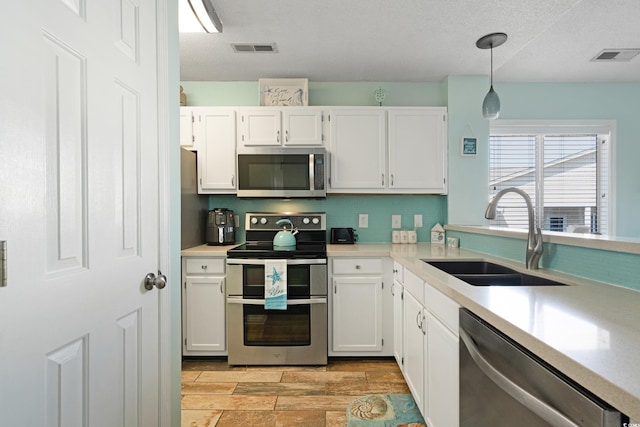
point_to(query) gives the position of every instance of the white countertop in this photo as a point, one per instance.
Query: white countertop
(589, 331)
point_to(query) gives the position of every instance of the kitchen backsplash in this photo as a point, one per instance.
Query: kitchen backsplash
(343, 211)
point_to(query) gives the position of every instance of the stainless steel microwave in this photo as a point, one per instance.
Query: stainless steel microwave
(282, 172)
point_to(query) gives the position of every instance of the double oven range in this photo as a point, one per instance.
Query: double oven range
(298, 334)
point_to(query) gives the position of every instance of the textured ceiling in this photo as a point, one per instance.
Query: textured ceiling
(416, 40)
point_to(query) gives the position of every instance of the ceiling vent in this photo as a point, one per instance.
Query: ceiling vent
(254, 47)
(615, 55)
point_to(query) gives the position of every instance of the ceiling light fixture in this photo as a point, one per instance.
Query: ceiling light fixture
(198, 16)
(491, 103)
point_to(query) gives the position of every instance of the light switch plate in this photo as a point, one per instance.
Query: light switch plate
(396, 221)
(417, 220)
(363, 220)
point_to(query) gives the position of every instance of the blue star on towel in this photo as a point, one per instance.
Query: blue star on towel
(275, 277)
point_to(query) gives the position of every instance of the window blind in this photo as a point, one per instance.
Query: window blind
(566, 176)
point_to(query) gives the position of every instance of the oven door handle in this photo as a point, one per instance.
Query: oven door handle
(246, 301)
(296, 261)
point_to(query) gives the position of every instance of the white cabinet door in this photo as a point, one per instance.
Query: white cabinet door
(413, 348)
(186, 128)
(357, 314)
(397, 291)
(358, 159)
(216, 138)
(260, 127)
(417, 149)
(302, 126)
(442, 375)
(204, 315)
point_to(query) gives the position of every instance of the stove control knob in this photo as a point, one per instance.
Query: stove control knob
(305, 220)
(263, 221)
(316, 220)
(254, 220)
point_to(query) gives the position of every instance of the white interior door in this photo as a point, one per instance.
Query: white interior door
(79, 213)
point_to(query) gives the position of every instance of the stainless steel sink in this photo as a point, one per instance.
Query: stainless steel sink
(485, 273)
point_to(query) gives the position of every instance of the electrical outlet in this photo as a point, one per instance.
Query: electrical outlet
(396, 221)
(363, 220)
(417, 221)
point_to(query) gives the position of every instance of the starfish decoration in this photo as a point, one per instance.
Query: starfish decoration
(275, 278)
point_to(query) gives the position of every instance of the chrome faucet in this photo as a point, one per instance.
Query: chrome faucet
(534, 239)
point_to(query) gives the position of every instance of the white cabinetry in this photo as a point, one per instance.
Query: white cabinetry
(429, 361)
(413, 348)
(417, 154)
(203, 306)
(361, 308)
(215, 136)
(388, 150)
(264, 127)
(187, 139)
(357, 150)
(397, 291)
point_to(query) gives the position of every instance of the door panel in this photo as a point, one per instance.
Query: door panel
(78, 209)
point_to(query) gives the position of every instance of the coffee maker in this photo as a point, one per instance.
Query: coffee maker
(221, 227)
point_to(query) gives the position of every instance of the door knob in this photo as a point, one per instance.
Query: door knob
(150, 280)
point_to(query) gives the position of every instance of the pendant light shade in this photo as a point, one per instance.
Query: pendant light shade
(491, 103)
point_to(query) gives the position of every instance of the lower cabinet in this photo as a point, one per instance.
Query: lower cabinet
(360, 313)
(413, 365)
(203, 306)
(441, 375)
(428, 322)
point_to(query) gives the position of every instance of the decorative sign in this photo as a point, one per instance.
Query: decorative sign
(469, 146)
(284, 92)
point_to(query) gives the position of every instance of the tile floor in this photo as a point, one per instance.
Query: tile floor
(215, 394)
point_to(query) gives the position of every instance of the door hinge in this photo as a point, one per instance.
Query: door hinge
(243, 138)
(382, 341)
(185, 342)
(382, 283)
(444, 118)
(185, 285)
(329, 117)
(242, 119)
(193, 119)
(402, 360)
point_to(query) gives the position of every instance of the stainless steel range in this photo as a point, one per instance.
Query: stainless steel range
(295, 334)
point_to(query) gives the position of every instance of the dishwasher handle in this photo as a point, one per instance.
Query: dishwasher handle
(535, 405)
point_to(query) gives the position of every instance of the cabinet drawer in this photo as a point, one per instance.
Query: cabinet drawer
(204, 265)
(443, 308)
(357, 266)
(414, 285)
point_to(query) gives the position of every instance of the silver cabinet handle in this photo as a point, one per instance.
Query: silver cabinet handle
(419, 320)
(278, 136)
(222, 286)
(286, 135)
(382, 180)
(392, 180)
(392, 285)
(233, 181)
(535, 405)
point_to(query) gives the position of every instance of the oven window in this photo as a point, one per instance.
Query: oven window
(273, 172)
(290, 327)
(298, 281)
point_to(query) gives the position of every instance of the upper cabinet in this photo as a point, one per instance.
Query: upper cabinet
(215, 135)
(294, 126)
(357, 146)
(416, 140)
(388, 150)
(187, 139)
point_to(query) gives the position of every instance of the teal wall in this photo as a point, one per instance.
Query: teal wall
(468, 175)
(342, 211)
(617, 268)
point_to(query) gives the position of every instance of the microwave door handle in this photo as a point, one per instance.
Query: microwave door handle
(312, 175)
(535, 405)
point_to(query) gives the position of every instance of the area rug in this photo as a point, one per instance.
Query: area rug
(384, 410)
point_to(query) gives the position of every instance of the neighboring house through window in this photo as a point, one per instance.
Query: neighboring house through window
(563, 166)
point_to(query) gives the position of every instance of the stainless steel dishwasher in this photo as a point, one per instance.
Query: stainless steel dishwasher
(502, 384)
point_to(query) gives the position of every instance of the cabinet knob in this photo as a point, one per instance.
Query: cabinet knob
(358, 267)
(204, 267)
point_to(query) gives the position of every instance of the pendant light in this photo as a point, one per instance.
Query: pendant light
(491, 103)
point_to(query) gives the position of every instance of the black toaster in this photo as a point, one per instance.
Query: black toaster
(343, 235)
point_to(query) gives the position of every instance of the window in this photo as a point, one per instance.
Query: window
(563, 167)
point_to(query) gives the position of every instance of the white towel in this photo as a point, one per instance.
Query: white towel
(275, 284)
